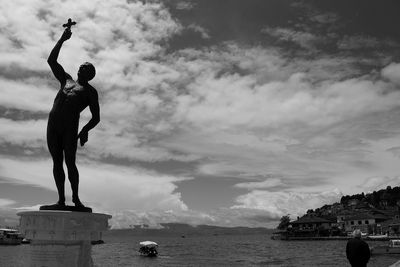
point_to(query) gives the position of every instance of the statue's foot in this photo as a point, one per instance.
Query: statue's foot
(58, 206)
(78, 203)
(80, 207)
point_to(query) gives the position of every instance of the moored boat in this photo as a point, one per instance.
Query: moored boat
(392, 247)
(97, 242)
(378, 236)
(10, 237)
(279, 235)
(25, 241)
(148, 248)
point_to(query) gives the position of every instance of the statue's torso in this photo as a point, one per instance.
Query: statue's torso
(70, 101)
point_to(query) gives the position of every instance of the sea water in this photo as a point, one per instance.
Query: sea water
(121, 249)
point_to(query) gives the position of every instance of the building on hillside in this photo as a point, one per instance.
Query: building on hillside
(391, 227)
(341, 217)
(336, 208)
(352, 203)
(391, 212)
(311, 226)
(311, 223)
(384, 200)
(367, 222)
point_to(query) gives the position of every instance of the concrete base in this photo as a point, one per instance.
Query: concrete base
(61, 238)
(66, 208)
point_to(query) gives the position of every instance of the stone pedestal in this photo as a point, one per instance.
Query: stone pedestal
(61, 238)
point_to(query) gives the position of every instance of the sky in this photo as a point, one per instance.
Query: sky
(229, 112)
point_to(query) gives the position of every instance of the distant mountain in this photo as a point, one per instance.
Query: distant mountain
(184, 230)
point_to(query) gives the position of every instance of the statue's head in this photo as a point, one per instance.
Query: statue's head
(86, 72)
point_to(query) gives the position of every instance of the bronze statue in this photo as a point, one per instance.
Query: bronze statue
(62, 128)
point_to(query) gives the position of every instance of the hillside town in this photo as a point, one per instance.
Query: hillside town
(375, 214)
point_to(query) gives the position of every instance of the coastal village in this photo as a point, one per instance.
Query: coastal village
(376, 214)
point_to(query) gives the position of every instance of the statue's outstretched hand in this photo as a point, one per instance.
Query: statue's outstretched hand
(66, 34)
(83, 136)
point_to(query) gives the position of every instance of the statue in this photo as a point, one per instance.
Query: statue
(62, 128)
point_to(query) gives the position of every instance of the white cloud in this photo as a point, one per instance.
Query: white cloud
(25, 133)
(306, 40)
(392, 73)
(282, 203)
(112, 34)
(395, 151)
(376, 183)
(268, 183)
(106, 186)
(153, 219)
(220, 217)
(233, 101)
(239, 111)
(6, 202)
(185, 5)
(232, 94)
(29, 94)
(197, 28)
(8, 217)
(325, 18)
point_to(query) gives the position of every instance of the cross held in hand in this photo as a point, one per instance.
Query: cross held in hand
(69, 24)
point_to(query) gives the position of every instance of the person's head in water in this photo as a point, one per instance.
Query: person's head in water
(357, 233)
(86, 72)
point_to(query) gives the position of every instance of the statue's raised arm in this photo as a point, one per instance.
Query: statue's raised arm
(56, 68)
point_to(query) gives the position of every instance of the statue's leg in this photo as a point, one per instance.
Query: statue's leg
(70, 146)
(55, 145)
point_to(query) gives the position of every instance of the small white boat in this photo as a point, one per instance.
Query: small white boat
(148, 248)
(378, 236)
(10, 237)
(393, 247)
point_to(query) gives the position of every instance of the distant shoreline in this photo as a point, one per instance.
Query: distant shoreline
(330, 238)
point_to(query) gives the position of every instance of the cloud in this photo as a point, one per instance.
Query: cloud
(268, 183)
(153, 219)
(29, 94)
(8, 217)
(358, 42)
(226, 217)
(395, 151)
(282, 203)
(107, 187)
(220, 217)
(118, 46)
(6, 202)
(230, 109)
(232, 100)
(185, 5)
(113, 44)
(392, 73)
(23, 133)
(197, 28)
(148, 97)
(376, 183)
(305, 40)
(325, 18)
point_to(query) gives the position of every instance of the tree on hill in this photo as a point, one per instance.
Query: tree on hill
(284, 223)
